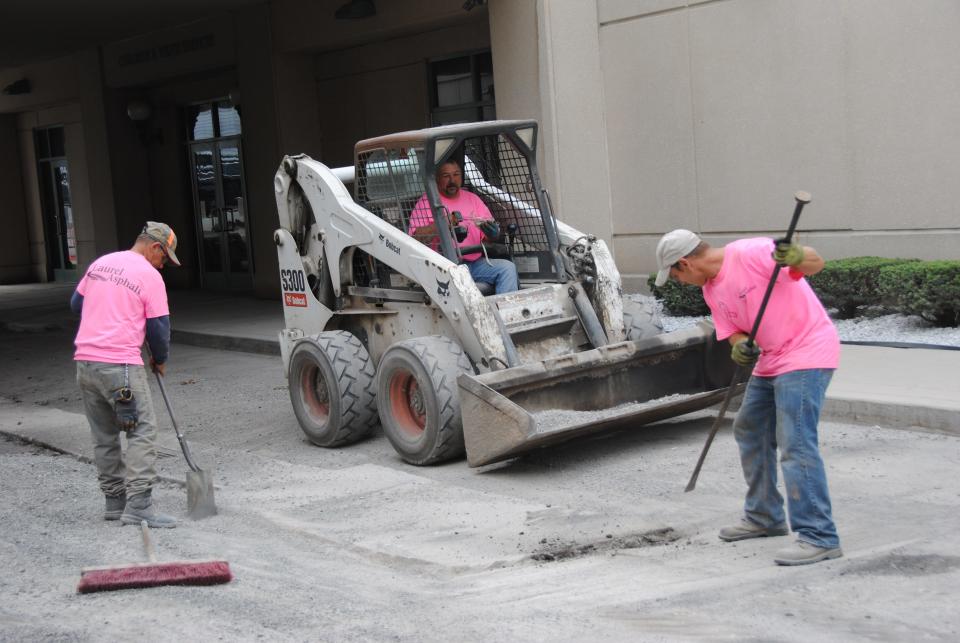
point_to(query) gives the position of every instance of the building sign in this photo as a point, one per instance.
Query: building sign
(178, 48)
(199, 46)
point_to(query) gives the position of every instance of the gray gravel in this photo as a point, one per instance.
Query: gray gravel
(555, 419)
(874, 326)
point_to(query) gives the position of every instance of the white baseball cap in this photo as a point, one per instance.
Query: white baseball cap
(672, 247)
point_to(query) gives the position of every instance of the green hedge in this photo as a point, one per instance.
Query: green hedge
(847, 284)
(930, 289)
(679, 299)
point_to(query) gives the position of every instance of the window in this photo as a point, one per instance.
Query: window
(462, 89)
(212, 120)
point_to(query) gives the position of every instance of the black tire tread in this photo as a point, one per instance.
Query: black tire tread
(356, 380)
(443, 359)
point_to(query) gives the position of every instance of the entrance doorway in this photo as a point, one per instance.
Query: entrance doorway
(60, 239)
(219, 196)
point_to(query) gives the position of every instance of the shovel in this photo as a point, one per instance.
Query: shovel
(200, 502)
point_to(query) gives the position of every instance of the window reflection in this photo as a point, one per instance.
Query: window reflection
(212, 120)
(229, 117)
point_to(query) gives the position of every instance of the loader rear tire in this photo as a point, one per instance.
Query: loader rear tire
(332, 389)
(419, 401)
(640, 320)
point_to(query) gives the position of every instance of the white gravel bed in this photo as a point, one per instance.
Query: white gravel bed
(872, 327)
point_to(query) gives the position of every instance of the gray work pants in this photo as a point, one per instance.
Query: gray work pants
(134, 474)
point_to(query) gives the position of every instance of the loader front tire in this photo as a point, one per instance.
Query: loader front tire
(640, 320)
(332, 389)
(419, 403)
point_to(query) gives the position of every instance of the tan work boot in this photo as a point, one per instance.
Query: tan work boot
(804, 553)
(747, 529)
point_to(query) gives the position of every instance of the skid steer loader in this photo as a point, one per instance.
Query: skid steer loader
(382, 327)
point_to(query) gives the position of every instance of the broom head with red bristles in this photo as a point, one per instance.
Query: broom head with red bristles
(153, 573)
(104, 579)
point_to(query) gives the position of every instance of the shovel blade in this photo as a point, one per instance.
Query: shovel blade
(200, 503)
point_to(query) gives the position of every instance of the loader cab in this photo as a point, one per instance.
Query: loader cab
(498, 159)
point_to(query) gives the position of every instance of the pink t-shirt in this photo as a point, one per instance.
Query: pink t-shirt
(795, 333)
(467, 204)
(120, 291)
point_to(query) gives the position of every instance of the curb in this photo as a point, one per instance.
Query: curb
(899, 416)
(76, 456)
(226, 342)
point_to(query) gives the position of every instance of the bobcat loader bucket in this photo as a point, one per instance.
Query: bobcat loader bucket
(509, 412)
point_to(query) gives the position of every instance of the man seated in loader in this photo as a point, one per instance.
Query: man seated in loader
(467, 210)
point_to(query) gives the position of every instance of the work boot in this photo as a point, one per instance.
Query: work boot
(804, 553)
(114, 507)
(140, 507)
(747, 529)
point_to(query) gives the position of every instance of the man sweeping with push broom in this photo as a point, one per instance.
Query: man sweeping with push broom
(798, 350)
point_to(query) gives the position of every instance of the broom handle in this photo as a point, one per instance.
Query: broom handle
(148, 542)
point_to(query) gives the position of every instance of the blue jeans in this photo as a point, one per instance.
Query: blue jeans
(783, 411)
(502, 273)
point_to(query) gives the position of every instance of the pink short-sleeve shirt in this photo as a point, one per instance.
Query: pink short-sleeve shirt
(120, 292)
(468, 204)
(795, 333)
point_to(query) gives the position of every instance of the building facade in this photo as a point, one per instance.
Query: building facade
(654, 114)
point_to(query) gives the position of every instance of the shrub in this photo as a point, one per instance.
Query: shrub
(930, 289)
(679, 299)
(846, 284)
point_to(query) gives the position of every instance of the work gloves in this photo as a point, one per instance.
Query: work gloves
(745, 353)
(489, 228)
(787, 253)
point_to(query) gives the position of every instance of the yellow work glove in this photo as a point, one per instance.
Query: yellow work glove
(788, 254)
(745, 353)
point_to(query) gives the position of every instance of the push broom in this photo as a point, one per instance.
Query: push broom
(153, 573)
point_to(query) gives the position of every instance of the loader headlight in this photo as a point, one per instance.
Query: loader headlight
(440, 147)
(526, 135)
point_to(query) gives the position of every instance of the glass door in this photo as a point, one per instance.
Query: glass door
(216, 169)
(59, 231)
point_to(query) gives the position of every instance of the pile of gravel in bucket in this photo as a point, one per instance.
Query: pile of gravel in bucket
(553, 419)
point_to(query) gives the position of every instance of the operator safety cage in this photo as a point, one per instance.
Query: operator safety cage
(393, 172)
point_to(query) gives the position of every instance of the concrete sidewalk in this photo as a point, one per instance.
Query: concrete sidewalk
(898, 387)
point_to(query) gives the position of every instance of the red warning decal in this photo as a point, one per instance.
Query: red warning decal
(295, 299)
